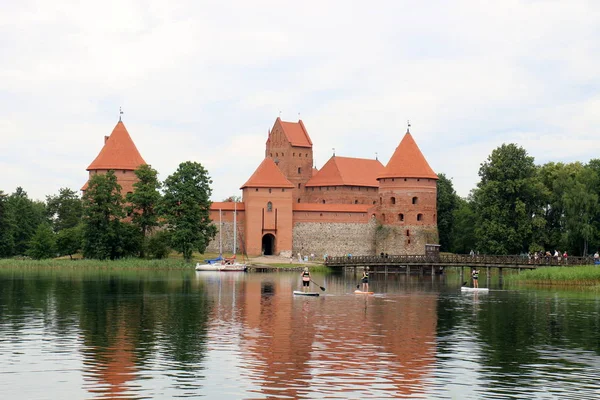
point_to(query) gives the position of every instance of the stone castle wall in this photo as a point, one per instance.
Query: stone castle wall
(334, 238)
(403, 240)
(213, 246)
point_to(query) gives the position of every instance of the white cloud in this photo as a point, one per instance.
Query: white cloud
(204, 81)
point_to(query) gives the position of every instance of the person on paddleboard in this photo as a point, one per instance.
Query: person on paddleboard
(475, 277)
(305, 279)
(365, 280)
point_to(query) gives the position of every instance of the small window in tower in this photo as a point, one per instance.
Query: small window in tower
(269, 190)
(404, 179)
(380, 200)
(270, 154)
(123, 171)
(282, 154)
(434, 217)
(415, 200)
(293, 154)
(401, 217)
(393, 200)
(408, 241)
(283, 189)
(321, 214)
(306, 155)
(419, 217)
(355, 201)
(299, 185)
(269, 206)
(383, 218)
(418, 180)
(323, 201)
(392, 179)
(276, 154)
(298, 200)
(374, 202)
(257, 189)
(299, 170)
(407, 232)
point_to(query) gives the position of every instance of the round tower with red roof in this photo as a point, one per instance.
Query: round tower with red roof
(407, 205)
(120, 155)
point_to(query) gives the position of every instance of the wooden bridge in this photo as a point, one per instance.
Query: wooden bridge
(454, 260)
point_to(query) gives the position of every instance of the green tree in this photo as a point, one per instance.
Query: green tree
(158, 245)
(144, 200)
(29, 214)
(65, 209)
(463, 232)
(102, 210)
(507, 202)
(186, 205)
(7, 242)
(43, 243)
(68, 240)
(446, 205)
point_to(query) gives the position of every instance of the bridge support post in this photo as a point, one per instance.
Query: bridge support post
(462, 273)
(488, 276)
(386, 272)
(408, 270)
(500, 276)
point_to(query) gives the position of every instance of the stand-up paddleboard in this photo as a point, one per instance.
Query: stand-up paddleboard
(299, 293)
(361, 292)
(471, 289)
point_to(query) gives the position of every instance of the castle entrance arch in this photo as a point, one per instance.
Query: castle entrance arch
(268, 244)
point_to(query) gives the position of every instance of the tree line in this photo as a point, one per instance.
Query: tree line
(519, 207)
(105, 224)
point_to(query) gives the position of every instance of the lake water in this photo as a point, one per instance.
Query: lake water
(159, 335)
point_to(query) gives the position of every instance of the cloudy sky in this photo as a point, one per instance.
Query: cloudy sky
(205, 80)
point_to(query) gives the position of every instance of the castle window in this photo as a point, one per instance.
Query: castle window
(276, 154)
(123, 171)
(270, 154)
(404, 179)
(374, 202)
(419, 217)
(327, 187)
(380, 200)
(323, 201)
(408, 241)
(321, 214)
(401, 217)
(282, 154)
(269, 190)
(299, 185)
(306, 155)
(293, 154)
(283, 189)
(257, 189)
(383, 218)
(372, 216)
(298, 200)
(407, 232)
(392, 179)
(415, 200)
(434, 217)
(299, 170)
(393, 200)
(418, 179)
(355, 201)
(269, 206)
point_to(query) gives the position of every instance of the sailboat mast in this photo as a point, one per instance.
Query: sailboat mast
(220, 234)
(234, 227)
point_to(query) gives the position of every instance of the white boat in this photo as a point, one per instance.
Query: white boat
(471, 289)
(299, 293)
(221, 267)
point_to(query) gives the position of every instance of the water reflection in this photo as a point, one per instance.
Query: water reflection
(106, 334)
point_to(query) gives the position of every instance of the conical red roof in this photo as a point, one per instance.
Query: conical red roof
(408, 162)
(268, 175)
(119, 152)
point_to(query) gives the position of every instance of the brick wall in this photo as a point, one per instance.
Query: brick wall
(342, 195)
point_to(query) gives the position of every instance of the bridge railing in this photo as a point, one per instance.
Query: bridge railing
(456, 259)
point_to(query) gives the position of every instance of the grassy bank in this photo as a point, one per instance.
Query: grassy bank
(586, 275)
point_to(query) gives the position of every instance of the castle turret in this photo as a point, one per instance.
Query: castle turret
(290, 147)
(119, 154)
(407, 201)
(267, 198)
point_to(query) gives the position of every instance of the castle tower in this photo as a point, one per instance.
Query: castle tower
(267, 198)
(407, 201)
(290, 147)
(120, 155)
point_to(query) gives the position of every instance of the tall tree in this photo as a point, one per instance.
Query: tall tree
(68, 241)
(43, 243)
(446, 205)
(463, 232)
(144, 201)
(103, 210)
(186, 205)
(507, 201)
(29, 215)
(7, 242)
(65, 209)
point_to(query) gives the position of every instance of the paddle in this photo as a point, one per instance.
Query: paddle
(464, 283)
(322, 288)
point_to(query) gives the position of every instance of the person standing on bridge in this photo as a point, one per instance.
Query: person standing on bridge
(475, 277)
(365, 280)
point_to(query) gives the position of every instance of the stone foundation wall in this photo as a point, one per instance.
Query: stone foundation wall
(334, 239)
(213, 246)
(404, 240)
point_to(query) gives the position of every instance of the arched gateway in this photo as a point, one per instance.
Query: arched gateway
(268, 244)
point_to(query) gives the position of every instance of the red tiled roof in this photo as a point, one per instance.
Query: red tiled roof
(227, 206)
(347, 171)
(119, 152)
(268, 174)
(356, 208)
(408, 162)
(295, 132)
(85, 186)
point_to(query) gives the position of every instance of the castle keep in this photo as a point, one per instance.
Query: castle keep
(351, 205)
